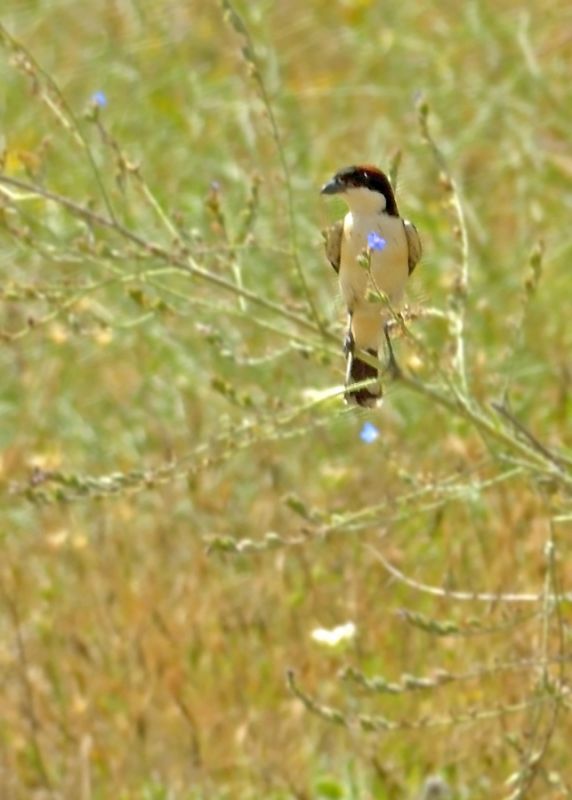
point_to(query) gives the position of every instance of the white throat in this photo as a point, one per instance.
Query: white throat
(363, 201)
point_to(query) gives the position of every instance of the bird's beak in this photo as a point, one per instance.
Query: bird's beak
(334, 186)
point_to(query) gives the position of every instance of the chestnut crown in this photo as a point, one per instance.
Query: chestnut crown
(363, 176)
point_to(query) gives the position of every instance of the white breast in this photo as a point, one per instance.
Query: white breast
(389, 267)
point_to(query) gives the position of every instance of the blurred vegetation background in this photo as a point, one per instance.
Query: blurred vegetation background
(185, 497)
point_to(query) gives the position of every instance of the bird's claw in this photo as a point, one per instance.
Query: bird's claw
(349, 344)
(392, 367)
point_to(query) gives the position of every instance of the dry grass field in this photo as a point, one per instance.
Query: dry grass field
(185, 498)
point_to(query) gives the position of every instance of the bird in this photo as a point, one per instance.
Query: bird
(392, 248)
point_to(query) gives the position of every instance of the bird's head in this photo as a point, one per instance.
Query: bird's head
(365, 188)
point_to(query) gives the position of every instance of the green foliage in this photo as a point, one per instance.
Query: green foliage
(186, 499)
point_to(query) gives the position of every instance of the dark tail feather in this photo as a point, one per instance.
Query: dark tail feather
(358, 371)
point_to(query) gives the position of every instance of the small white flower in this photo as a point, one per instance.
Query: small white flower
(332, 637)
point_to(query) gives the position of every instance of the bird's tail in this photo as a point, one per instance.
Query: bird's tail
(358, 371)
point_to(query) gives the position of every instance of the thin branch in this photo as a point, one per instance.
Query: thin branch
(371, 723)
(441, 677)
(450, 594)
(558, 461)
(184, 263)
(249, 55)
(37, 70)
(462, 282)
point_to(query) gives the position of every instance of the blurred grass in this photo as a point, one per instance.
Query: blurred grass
(136, 664)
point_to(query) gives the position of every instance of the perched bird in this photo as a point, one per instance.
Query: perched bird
(392, 248)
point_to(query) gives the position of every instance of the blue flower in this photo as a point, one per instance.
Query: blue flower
(99, 99)
(375, 241)
(368, 433)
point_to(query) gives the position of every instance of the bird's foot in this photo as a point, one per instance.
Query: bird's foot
(392, 367)
(349, 344)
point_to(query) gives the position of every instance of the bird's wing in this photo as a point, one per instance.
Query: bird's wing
(333, 243)
(414, 247)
